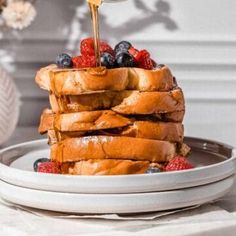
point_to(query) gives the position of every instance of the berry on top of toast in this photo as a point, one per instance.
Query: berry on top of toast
(123, 55)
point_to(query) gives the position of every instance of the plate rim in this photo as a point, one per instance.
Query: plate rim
(115, 176)
(57, 177)
(182, 192)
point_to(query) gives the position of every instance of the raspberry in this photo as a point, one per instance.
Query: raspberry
(134, 52)
(143, 60)
(142, 54)
(178, 163)
(49, 167)
(84, 61)
(87, 47)
(146, 64)
(104, 47)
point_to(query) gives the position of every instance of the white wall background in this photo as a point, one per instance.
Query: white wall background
(196, 38)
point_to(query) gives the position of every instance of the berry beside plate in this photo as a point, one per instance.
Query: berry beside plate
(178, 163)
(44, 165)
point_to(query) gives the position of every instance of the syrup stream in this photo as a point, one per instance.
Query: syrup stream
(96, 35)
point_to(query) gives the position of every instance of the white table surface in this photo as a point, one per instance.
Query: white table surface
(218, 218)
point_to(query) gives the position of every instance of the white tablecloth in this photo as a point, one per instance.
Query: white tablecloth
(218, 218)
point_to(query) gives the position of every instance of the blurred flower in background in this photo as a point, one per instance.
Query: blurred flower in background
(17, 14)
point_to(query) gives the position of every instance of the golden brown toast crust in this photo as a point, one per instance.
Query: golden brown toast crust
(107, 123)
(109, 147)
(172, 132)
(82, 121)
(105, 167)
(124, 102)
(151, 102)
(77, 81)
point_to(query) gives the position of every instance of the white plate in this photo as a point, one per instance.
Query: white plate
(115, 203)
(214, 161)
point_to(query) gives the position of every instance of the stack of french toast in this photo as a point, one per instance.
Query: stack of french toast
(112, 121)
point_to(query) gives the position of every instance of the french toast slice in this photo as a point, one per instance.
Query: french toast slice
(114, 147)
(77, 81)
(107, 167)
(62, 126)
(124, 102)
(172, 132)
(82, 121)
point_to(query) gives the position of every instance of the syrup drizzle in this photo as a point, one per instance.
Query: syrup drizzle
(96, 35)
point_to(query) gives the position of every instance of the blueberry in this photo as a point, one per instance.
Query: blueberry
(124, 59)
(107, 60)
(159, 66)
(37, 162)
(64, 61)
(122, 46)
(152, 170)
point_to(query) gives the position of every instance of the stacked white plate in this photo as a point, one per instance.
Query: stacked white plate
(212, 177)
